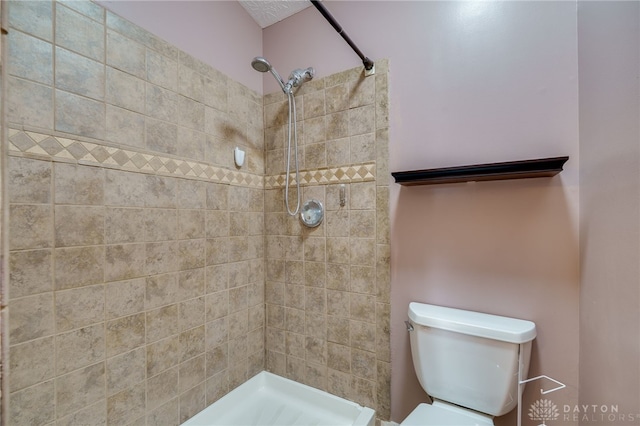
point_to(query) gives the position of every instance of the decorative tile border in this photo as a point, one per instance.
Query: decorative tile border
(61, 149)
(345, 174)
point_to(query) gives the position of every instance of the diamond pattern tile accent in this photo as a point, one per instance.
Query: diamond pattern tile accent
(65, 149)
(346, 174)
(21, 140)
(51, 146)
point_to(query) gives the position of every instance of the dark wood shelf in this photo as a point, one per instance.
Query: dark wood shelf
(542, 167)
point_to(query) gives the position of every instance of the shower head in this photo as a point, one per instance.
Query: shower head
(261, 64)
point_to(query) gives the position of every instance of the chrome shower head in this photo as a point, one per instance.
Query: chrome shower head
(261, 64)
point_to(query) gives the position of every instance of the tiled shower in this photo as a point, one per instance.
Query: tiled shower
(148, 275)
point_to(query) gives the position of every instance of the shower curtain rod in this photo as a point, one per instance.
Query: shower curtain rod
(368, 63)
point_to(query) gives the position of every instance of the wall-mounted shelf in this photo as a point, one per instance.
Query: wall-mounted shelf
(542, 167)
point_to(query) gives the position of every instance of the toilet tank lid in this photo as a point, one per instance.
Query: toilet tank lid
(479, 324)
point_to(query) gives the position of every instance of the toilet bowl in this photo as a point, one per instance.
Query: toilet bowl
(468, 363)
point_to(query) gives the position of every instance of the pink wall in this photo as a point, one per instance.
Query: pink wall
(470, 83)
(481, 82)
(609, 58)
(219, 33)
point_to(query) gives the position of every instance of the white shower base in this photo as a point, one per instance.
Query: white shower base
(270, 400)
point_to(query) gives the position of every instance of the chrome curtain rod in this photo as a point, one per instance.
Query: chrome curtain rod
(368, 63)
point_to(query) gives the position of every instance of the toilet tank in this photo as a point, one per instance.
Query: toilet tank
(469, 358)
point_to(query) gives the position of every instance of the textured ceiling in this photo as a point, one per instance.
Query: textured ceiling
(267, 12)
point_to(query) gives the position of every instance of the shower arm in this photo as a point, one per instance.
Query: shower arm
(368, 63)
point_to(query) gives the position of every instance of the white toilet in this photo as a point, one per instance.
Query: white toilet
(467, 362)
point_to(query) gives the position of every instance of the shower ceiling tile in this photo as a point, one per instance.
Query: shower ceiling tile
(268, 12)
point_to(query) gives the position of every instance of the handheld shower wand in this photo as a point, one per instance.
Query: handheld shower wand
(296, 78)
(260, 64)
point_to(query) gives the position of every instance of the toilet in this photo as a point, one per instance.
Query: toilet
(467, 362)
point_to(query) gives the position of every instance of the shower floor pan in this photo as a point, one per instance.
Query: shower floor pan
(271, 400)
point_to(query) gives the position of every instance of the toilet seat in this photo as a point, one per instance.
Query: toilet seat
(444, 414)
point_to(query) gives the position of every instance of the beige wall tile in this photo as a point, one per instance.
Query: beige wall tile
(124, 189)
(75, 184)
(124, 225)
(28, 50)
(363, 279)
(31, 317)
(160, 192)
(161, 104)
(162, 322)
(161, 224)
(161, 136)
(78, 266)
(339, 357)
(338, 330)
(190, 114)
(79, 307)
(338, 276)
(216, 333)
(192, 342)
(338, 152)
(161, 70)
(79, 348)
(191, 194)
(79, 389)
(191, 313)
(93, 415)
(126, 405)
(363, 364)
(31, 363)
(162, 355)
(316, 376)
(29, 181)
(125, 370)
(125, 54)
(21, 17)
(161, 258)
(78, 33)
(315, 274)
(124, 334)
(124, 90)
(383, 388)
(29, 103)
(362, 120)
(30, 272)
(124, 298)
(339, 383)
(192, 402)
(363, 251)
(79, 225)
(167, 414)
(31, 226)
(79, 115)
(162, 388)
(217, 360)
(191, 254)
(363, 335)
(192, 373)
(34, 405)
(77, 74)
